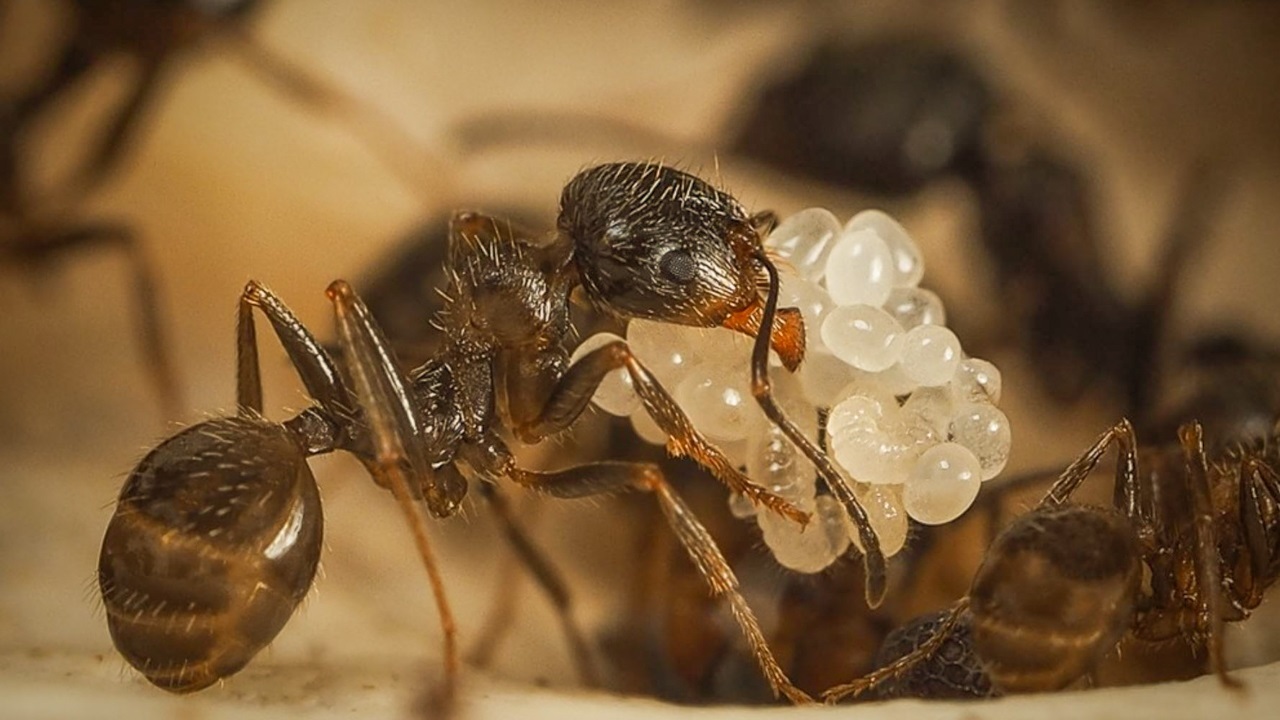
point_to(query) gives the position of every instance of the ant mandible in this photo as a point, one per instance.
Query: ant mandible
(217, 532)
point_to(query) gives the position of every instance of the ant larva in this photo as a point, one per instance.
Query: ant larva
(216, 535)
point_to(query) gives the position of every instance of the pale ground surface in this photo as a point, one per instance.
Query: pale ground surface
(230, 182)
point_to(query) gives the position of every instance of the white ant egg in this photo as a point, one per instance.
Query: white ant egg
(806, 550)
(662, 348)
(907, 260)
(930, 354)
(866, 337)
(775, 463)
(984, 429)
(804, 240)
(813, 302)
(615, 394)
(977, 380)
(943, 484)
(860, 269)
(718, 401)
(915, 306)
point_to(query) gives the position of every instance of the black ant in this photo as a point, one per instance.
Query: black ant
(1191, 542)
(216, 535)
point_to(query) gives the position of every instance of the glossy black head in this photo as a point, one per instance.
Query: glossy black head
(654, 242)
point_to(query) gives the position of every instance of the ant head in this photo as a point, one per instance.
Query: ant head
(656, 243)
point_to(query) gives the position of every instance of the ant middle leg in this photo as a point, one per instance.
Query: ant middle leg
(614, 476)
(571, 394)
(397, 460)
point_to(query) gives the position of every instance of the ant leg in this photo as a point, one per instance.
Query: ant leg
(614, 476)
(902, 664)
(312, 362)
(394, 431)
(571, 394)
(1207, 570)
(873, 558)
(1126, 470)
(1259, 511)
(40, 247)
(120, 130)
(547, 577)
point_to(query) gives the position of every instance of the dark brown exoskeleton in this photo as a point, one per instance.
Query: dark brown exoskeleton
(216, 534)
(1064, 583)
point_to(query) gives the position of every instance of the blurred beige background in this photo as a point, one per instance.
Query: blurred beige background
(229, 181)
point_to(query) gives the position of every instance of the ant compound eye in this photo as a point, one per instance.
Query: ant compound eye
(678, 265)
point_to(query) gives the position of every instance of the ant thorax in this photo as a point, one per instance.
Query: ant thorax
(884, 384)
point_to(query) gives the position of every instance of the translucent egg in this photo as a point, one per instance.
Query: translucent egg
(984, 430)
(807, 550)
(915, 306)
(662, 348)
(863, 336)
(931, 407)
(831, 517)
(860, 269)
(647, 429)
(718, 402)
(943, 484)
(930, 354)
(822, 375)
(615, 394)
(908, 262)
(775, 463)
(854, 414)
(804, 240)
(883, 505)
(977, 380)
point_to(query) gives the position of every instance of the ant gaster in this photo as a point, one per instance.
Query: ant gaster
(216, 535)
(1063, 583)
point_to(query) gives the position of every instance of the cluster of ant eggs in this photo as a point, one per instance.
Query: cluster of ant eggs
(884, 384)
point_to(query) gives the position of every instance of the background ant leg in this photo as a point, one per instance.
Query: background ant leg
(902, 664)
(1126, 469)
(547, 577)
(572, 393)
(120, 130)
(393, 427)
(606, 477)
(1208, 572)
(1259, 485)
(873, 558)
(39, 246)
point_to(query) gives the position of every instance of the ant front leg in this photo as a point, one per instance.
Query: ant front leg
(608, 477)
(537, 418)
(396, 446)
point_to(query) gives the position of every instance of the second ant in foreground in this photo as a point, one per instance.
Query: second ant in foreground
(216, 536)
(1064, 583)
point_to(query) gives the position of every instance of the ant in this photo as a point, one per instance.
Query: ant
(215, 538)
(1063, 583)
